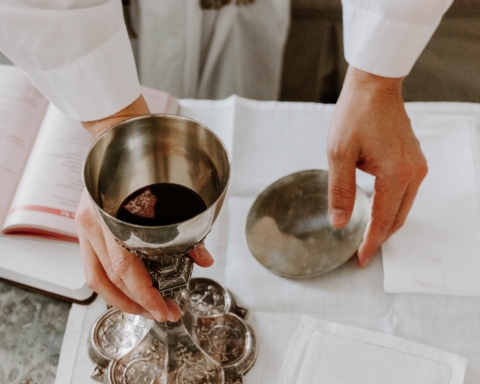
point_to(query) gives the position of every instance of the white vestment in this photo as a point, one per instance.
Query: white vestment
(193, 53)
(78, 54)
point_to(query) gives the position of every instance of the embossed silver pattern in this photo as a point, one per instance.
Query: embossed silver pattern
(212, 345)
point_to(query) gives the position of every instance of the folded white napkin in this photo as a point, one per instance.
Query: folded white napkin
(324, 352)
(74, 365)
(438, 249)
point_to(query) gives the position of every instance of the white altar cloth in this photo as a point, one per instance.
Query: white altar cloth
(348, 295)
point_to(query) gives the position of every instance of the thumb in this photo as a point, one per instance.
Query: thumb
(341, 191)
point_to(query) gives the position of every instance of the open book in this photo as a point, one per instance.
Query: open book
(41, 157)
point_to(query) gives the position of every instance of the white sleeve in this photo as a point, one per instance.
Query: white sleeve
(386, 37)
(76, 52)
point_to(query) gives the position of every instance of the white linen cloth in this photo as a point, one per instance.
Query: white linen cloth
(325, 352)
(268, 140)
(78, 54)
(437, 250)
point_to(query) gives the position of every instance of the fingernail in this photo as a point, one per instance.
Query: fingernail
(203, 254)
(160, 317)
(364, 263)
(338, 217)
(147, 315)
(171, 317)
(201, 249)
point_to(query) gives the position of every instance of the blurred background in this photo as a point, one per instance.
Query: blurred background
(314, 66)
(447, 70)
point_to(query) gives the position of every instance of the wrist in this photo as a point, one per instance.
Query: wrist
(358, 79)
(97, 127)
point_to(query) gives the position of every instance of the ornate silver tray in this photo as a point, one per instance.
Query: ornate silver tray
(211, 344)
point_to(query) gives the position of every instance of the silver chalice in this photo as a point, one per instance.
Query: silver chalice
(212, 343)
(154, 149)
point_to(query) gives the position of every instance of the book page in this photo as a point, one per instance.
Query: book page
(51, 185)
(22, 108)
(52, 266)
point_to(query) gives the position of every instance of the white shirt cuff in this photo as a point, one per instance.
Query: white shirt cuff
(96, 85)
(383, 45)
(77, 53)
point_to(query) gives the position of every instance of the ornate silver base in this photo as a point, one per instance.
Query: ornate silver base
(211, 344)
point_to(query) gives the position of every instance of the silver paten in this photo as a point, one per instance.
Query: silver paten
(212, 344)
(289, 232)
(153, 149)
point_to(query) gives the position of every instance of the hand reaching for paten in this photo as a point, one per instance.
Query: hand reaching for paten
(370, 130)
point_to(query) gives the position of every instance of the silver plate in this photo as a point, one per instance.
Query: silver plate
(212, 344)
(289, 232)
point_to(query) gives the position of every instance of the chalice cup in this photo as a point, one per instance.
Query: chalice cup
(147, 150)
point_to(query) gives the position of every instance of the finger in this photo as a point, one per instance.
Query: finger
(98, 281)
(386, 202)
(100, 249)
(132, 271)
(341, 189)
(104, 259)
(407, 203)
(201, 256)
(174, 313)
(90, 229)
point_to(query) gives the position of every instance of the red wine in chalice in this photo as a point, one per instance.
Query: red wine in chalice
(161, 204)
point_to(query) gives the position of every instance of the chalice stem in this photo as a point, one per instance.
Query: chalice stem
(170, 274)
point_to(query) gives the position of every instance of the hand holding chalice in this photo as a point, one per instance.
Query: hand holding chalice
(158, 183)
